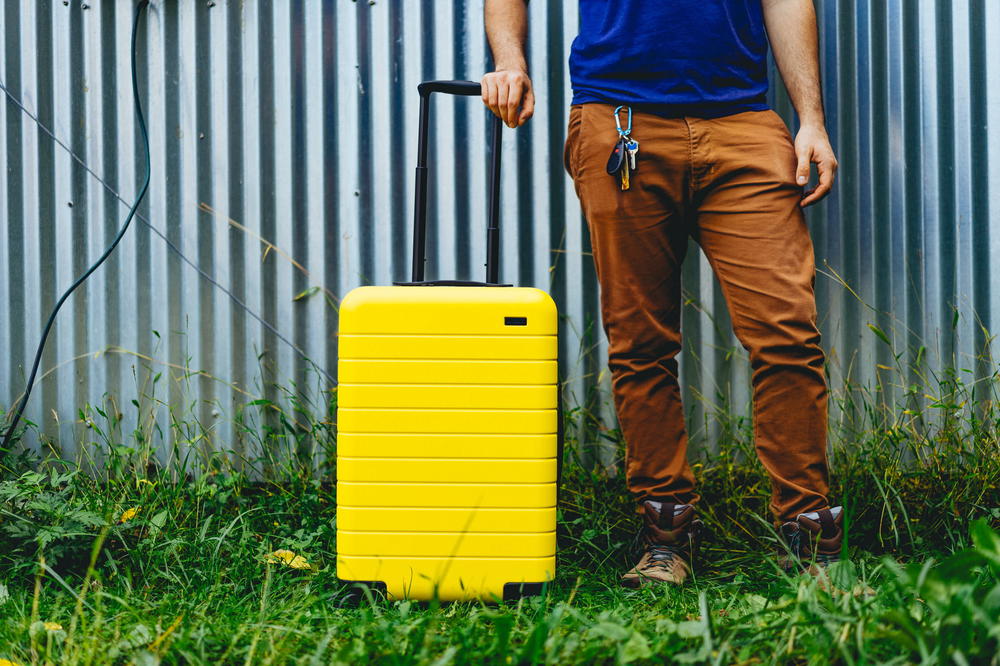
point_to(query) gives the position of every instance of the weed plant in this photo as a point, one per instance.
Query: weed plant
(123, 557)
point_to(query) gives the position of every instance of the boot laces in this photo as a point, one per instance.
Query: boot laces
(662, 556)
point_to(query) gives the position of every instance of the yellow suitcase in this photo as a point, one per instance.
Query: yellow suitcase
(448, 425)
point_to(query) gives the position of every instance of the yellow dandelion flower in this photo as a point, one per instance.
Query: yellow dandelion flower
(127, 515)
(286, 557)
(52, 626)
(8, 662)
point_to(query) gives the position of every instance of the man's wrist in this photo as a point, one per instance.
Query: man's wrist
(513, 65)
(813, 120)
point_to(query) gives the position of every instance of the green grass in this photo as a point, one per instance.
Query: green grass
(186, 579)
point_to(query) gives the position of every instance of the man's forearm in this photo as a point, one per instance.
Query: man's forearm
(507, 91)
(506, 29)
(791, 30)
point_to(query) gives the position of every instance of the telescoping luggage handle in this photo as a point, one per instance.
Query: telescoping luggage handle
(468, 88)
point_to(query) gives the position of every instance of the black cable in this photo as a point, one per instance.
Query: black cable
(80, 280)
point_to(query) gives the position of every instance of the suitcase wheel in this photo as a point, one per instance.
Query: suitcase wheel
(356, 591)
(515, 591)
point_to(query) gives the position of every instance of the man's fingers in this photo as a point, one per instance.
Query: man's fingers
(512, 103)
(802, 170)
(528, 107)
(509, 96)
(501, 98)
(490, 94)
(826, 172)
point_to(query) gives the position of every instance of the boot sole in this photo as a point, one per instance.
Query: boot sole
(636, 583)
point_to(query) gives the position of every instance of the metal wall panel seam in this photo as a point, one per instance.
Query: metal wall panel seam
(12, 270)
(7, 110)
(829, 244)
(991, 99)
(119, 147)
(896, 164)
(572, 259)
(479, 151)
(943, 294)
(81, 224)
(556, 181)
(412, 68)
(331, 194)
(964, 333)
(911, 221)
(286, 172)
(34, 284)
(193, 318)
(479, 128)
(72, 251)
(442, 231)
(979, 166)
(160, 310)
(204, 106)
(379, 154)
(240, 241)
(932, 312)
(290, 232)
(216, 127)
(538, 158)
(878, 178)
(869, 224)
(347, 114)
(251, 202)
(94, 365)
(269, 359)
(466, 223)
(315, 306)
(842, 204)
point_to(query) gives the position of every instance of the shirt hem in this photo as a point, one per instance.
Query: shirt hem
(678, 110)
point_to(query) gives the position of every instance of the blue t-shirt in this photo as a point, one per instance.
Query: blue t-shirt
(704, 58)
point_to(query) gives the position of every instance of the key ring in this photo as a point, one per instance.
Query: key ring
(623, 133)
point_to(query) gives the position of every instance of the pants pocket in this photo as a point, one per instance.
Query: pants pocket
(572, 135)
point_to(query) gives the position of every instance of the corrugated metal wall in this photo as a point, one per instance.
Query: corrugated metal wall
(283, 139)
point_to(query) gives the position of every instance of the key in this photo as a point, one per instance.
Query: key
(625, 175)
(617, 159)
(632, 147)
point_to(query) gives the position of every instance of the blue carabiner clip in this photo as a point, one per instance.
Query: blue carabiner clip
(623, 133)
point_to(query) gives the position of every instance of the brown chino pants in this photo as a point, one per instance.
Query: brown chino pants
(728, 183)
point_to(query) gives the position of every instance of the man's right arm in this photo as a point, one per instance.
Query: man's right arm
(507, 91)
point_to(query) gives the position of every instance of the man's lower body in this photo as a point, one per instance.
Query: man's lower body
(729, 184)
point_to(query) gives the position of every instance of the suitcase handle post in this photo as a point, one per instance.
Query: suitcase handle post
(468, 88)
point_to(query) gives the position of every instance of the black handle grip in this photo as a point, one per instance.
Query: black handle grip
(469, 88)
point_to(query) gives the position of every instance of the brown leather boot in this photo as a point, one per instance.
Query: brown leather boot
(812, 541)
(670, 534)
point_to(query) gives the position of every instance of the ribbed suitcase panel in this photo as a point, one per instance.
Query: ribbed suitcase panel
(446, 445)
(444, 470)
(451, 396)
(468, 421)
(448, 519)
(449, 347)
(447, 420)
(450, 371)
(466, 495)
(447, 544)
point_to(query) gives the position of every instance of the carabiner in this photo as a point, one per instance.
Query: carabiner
(618, 124)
